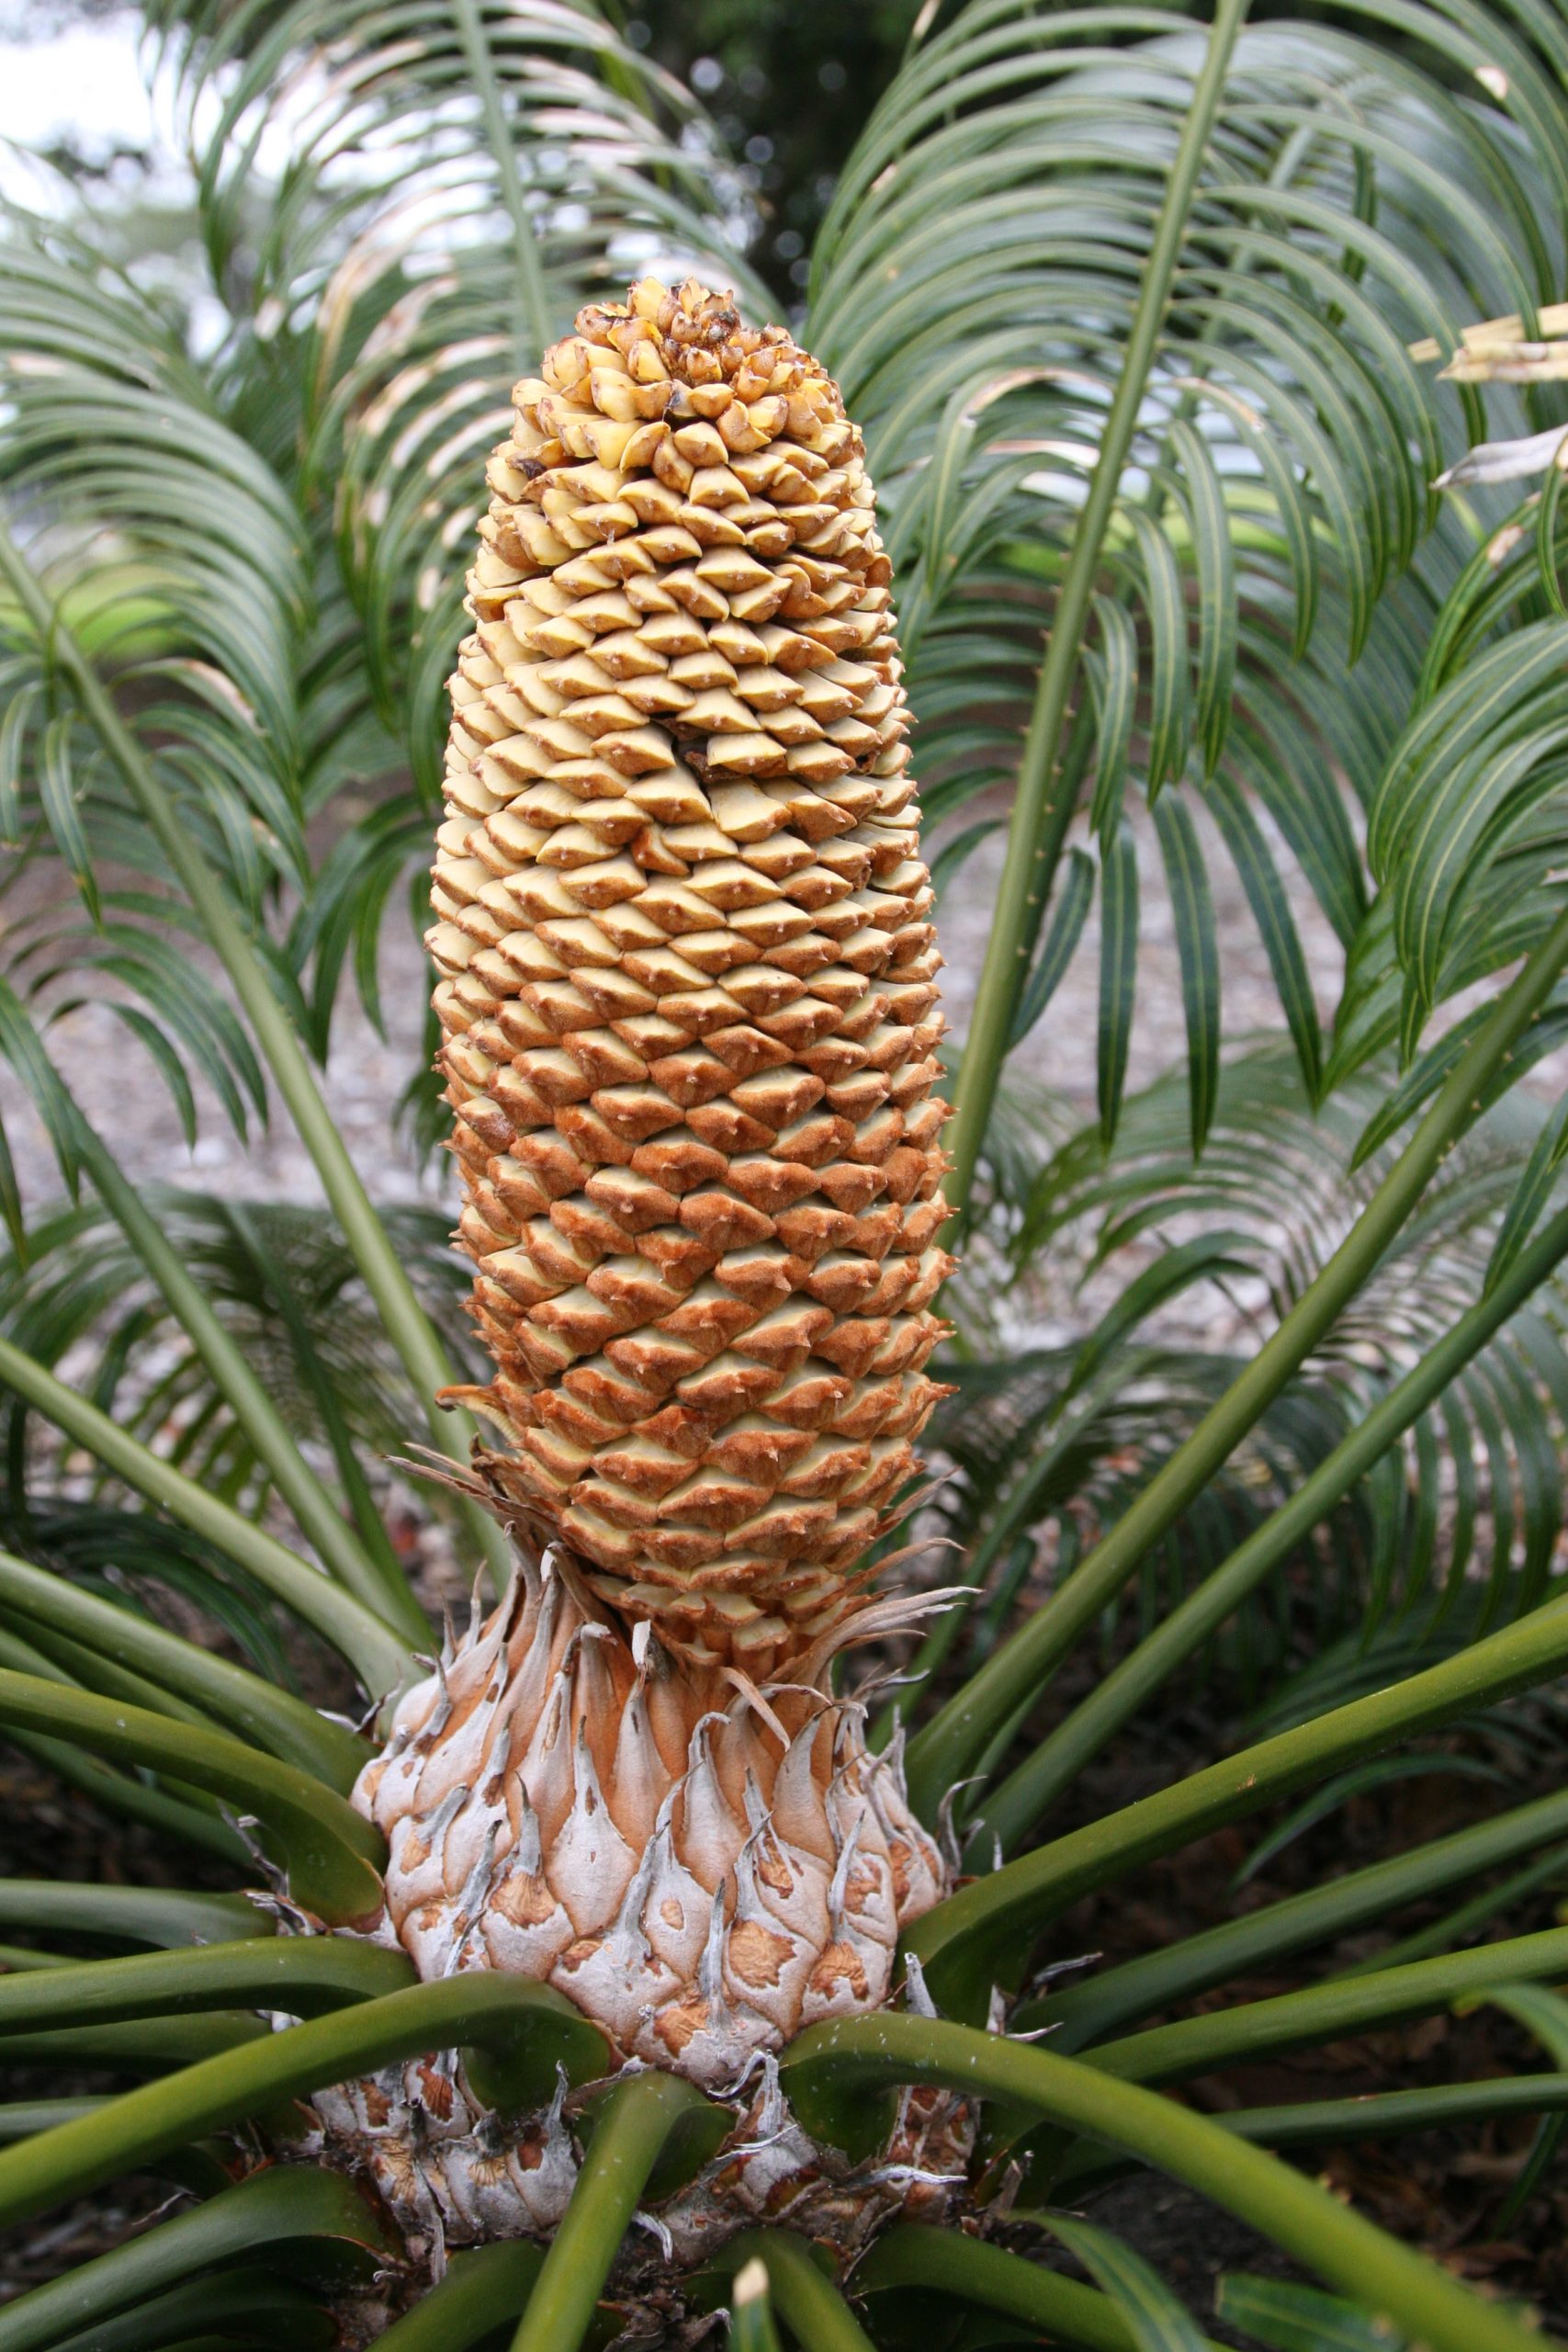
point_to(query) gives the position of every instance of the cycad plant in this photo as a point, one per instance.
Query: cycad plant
(630, 1956)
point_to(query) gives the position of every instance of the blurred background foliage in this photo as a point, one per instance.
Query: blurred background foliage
(790, 84)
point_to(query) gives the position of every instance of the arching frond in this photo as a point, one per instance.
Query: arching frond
(284, 1287)
(1160, 1279)
(1127, 310)
(183, 562)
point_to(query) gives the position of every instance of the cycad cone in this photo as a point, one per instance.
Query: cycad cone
(688, 994)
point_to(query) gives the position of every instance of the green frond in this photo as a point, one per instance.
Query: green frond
(286, 1291)
(1164, 1273)
(975, 286)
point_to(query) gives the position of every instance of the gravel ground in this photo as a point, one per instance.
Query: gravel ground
(123, 1095)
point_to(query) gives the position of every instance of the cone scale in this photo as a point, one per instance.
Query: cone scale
(687, 988)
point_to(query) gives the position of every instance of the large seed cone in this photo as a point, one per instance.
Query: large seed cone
(690, 1009)
(689, 982)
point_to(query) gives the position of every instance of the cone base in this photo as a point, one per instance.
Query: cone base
(703, 1866)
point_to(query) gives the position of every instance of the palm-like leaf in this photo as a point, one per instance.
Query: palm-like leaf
(186, 565)
(1263, 453)
(1154, 1277)
(283, 1284)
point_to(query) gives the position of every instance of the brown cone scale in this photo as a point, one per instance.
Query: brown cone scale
(688, 982)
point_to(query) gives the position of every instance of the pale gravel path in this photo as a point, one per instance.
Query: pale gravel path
(121, 1094)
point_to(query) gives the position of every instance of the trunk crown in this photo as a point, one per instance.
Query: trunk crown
(688, 983)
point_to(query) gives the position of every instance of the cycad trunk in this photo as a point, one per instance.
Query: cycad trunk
(689, 997)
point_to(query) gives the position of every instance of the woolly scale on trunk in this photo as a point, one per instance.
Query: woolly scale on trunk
(688, 994)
